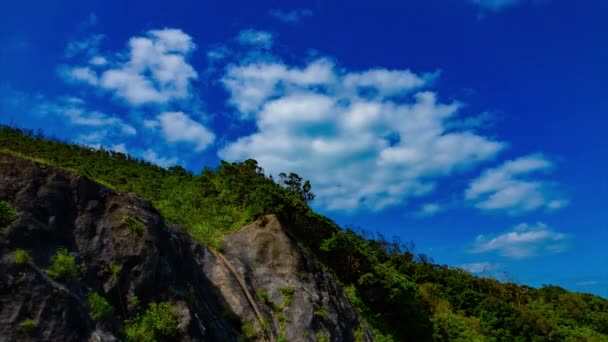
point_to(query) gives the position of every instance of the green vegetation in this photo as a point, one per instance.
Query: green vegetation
(159, 322)
(262, 295)
(288, 293)
(8, 214)
(28, 326)
(21, 257)
(99, 307)
(63, 266)
(115, 270)
(403, 295)
(321, 337)
(247, 332)
(135, 225)
(320, 312)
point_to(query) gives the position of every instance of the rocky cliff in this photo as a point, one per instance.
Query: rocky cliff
(261, 286)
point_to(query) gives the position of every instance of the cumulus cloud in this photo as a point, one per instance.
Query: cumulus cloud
(523, 241)
(261, 39)
(178, 127)
(154, 70)
(290, 17)
(511, 187)
(494, 5)
(153, 157)
(366, 139)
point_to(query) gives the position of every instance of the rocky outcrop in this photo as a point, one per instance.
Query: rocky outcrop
(262, 286)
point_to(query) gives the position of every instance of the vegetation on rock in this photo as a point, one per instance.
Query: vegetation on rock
(7, 213)
(63, 266)
(402, 295)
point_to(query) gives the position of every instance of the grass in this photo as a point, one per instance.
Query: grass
(63, 266)
(159, 322)
(21, 257)
(135, 225)
(28, 326)
(8, 214)
(99, 307)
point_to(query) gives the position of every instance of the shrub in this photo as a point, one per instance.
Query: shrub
(157, 323)
(115, 270)
(21, 256)
(99, 307)
(288, 293)
(247, 332)
(134, 224)
(262, 295)
(320, 312)
(7, 213)
(28, 326)
(63, 266)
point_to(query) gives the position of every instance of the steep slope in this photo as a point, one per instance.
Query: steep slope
(124, 251)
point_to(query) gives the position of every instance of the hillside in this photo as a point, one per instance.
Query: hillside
(307, 278)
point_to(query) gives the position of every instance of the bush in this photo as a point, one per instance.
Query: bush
(157, 323)
(28, 326)
(7, 213)
(63, 266)
(21, 257)
(99, 307)
(134, 224)
(262, 295)
(288, 293)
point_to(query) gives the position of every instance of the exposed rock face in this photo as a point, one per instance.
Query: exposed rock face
(213, 295)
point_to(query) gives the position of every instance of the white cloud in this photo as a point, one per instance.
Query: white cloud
(587, 283)
(154, 158)
(494, 5)
(73, 109)
(523, 241)
(430, 209)
(510, 187)
(480, 267)
(87, 47)
(155, 70)
(290, 17)
(122, 148)
(261, 39)
(366, 139)
(79, 74)
(178, 127)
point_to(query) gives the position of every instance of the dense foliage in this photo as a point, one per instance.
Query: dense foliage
(404, 296)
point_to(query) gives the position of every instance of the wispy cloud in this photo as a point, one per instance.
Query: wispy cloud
(512, 187)
(430, 209)
(257, 38)
(151, 156)
(523, 241)
(481, 267)
(494, 5)
(290, 17)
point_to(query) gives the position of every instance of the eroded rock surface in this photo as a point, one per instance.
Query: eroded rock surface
(213, 296)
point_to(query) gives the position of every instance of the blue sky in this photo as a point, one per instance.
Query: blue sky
(475, 128)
